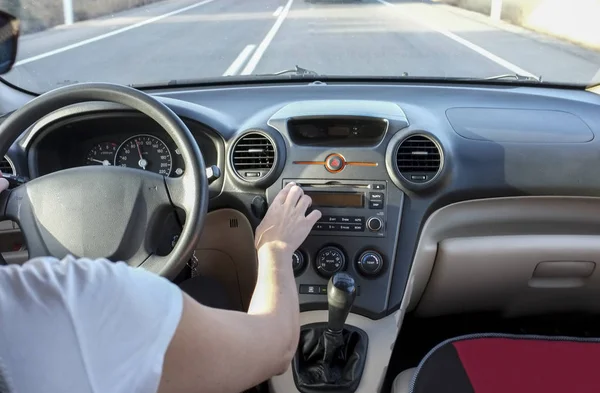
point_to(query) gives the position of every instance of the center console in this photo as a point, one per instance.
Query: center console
(356, 234)
(336, 152)
(339, 160)
(353, 210)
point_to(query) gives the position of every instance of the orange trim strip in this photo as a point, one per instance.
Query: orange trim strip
(358, 163)
(353, 163)
(309, 162)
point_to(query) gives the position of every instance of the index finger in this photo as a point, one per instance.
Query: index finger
(282, 195)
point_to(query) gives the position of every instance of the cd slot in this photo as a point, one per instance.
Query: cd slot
(328, 185)
(336, 185)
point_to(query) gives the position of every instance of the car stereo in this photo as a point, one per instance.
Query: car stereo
(349, 208)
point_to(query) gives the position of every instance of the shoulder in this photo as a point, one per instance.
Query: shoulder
(91, 314)
(73, 276)
(75, 282)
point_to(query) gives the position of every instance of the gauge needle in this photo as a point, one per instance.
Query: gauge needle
(142, 163)
(105, 162)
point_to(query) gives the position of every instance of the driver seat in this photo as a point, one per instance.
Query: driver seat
(498, 363)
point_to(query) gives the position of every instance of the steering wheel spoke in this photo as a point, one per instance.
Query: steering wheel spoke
(180, 194)
(16, 207)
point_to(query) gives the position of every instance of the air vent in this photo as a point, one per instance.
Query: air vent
(7, 167)
(253, 156)
(418, 159)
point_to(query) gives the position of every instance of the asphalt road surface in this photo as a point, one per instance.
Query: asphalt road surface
(185, 39)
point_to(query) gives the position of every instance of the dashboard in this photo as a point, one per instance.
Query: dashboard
(378, 159)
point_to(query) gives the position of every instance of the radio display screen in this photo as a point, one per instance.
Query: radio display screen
(336, 199)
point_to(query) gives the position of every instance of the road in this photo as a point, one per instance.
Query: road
(189, 39)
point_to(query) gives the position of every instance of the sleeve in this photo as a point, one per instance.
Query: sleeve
(109, 322)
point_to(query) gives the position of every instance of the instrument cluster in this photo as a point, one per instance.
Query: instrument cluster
(117, 139)
(143, 151)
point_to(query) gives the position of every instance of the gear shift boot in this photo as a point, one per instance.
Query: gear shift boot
(329, 361)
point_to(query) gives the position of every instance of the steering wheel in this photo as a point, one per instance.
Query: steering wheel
(110, 212)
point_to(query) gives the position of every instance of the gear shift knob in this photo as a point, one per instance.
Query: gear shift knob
(341, 292)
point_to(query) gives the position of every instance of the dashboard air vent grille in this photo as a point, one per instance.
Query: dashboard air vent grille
(6, 167)
(253, 156)
(418, 159)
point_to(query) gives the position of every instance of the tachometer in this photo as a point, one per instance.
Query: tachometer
(145, 152)
(102, 154)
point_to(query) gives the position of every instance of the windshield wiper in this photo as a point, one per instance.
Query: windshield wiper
(295, 71)
(517, 77)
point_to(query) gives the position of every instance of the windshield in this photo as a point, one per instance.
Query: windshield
(141, 42)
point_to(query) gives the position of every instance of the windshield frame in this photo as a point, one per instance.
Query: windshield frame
(326, 79)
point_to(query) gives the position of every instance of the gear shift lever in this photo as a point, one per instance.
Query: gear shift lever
(331, 356)
(341, 292)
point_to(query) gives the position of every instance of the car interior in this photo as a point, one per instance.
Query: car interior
(449, 207)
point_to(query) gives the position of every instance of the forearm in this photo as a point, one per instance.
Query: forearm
(275, 296)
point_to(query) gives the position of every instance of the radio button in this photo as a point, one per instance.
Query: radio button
(334, 163)
(310, 289)
(375, 204)
(376, 196)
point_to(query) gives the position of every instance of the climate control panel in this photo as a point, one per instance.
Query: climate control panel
(332, 259)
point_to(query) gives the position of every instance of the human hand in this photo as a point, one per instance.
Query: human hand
(286, 224)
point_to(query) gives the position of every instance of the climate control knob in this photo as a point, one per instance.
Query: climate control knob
(370, 263)
(374, 224)
(297, 262)
(330, 260)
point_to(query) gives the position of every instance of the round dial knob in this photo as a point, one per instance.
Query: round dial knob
(374, 224)
(330, 260)
(297, 261)
(370, 263)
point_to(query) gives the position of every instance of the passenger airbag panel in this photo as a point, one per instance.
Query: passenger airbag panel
(519, 125)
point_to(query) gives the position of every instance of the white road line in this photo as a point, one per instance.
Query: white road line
(278, 11)
(240, 60)
(112, 33)
(496, 59)
(260, 51)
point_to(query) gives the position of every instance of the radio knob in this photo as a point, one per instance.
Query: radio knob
(374, 224)
(330, 260)
(370, 263)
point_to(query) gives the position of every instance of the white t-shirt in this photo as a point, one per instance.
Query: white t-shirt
(81, 325)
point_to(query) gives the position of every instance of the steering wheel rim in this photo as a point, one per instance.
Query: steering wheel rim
(142, 194)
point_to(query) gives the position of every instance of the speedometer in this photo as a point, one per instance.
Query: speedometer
(145, 152)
